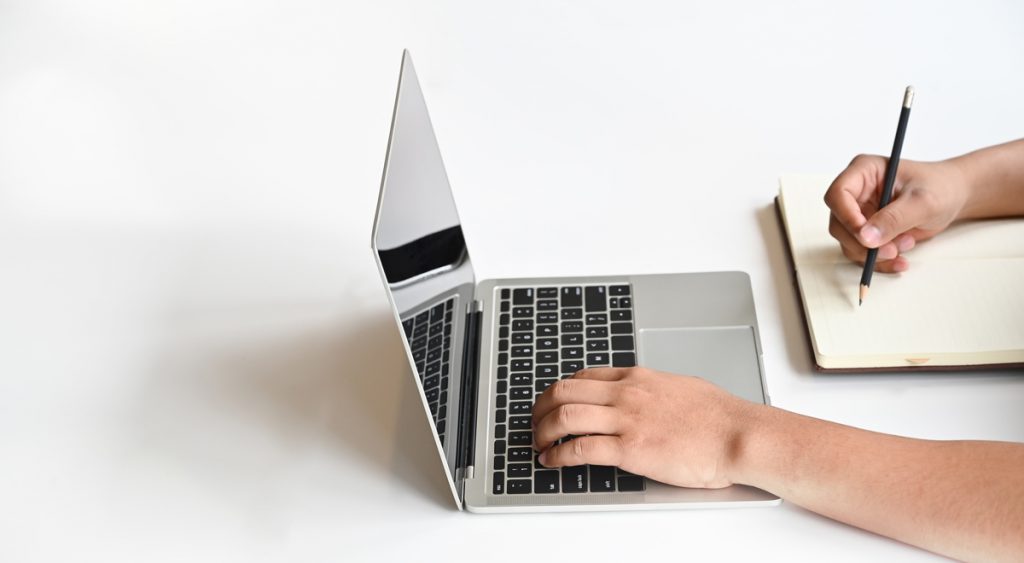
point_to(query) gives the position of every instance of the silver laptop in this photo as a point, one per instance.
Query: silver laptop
(482, 351)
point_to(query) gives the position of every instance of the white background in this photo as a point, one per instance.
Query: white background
(196, 358)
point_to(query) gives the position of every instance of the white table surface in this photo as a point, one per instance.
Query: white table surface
(197, 360)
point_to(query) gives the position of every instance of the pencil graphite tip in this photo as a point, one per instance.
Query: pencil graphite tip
(908, 97)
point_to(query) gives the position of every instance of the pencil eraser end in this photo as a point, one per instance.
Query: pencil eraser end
(908, 97)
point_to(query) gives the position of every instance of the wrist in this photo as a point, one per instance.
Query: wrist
(753, 444)
(960, 172)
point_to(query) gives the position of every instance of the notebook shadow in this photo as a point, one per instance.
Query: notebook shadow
(798, 350)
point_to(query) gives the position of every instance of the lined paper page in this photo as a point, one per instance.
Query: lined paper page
(960, 303)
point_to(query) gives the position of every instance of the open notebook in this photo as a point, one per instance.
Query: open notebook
(960, 304)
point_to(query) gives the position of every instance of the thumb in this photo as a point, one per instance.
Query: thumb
(889, 222)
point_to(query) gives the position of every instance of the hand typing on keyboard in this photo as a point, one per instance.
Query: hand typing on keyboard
(676, 429)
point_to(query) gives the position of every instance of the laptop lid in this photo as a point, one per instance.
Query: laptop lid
(423, 260)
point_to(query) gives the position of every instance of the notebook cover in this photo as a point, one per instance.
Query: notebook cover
(807, 332)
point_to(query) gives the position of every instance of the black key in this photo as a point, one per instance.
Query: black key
(545, 481)
(522, 324)
(423, 317)
(572, 339)
(436, 328)
(433, 369)
(521, 408)
(597, 345)
(503, 345)
(522, 338)
(597, 332)
(500, 417)
(504, 306)
(625, 302)
(448, 304)
(520, 454)
(407, 327)
(499, 447)
(543, 384)
(522, 351)
(572, 353)
(519, 486)
(420, 355)
(572, 296)
(521, 379)
(622, 342)
(421, 330)
(499, 463)
(431, 382)
(599, 359)
(547, 318)
(442, 412)
(505, 293)
(522, 365)
(618, 290)
(622, 328)
(547, 293)
(444, 380)
(444, 397)
(503, 320)
(547, 370)
(448, 330)
(547, 357)
(523, 296)
(520, 312)
(436, 312)
(597, 319)
(420, 366)
(440, 427)
(547, 330)
(596, 300)
(501, 402)
(520, 438)
(498, 486)
(602, 479)
(547, 305)
(434, 342)
(433, 409)
(447, 342)
(432, 356)
(574, 479)
(622, 315)
(444, 357)
(520, 422)
(613, 302)
(571, 367)
(572, 313)
(572, 326)
(502, 387)
(499, 431)
(503, 332)
(519, 393)
(631, 483)
(623, 359)
(547, 343)
(519, 470)
(502, 372)
(418, 343)
(448, 315)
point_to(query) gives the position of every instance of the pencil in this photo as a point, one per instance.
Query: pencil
(890, 179)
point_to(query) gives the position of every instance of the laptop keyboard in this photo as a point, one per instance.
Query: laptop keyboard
(546, 334)
(429, 333)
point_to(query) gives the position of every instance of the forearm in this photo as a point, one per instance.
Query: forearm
(962, 499)
(994, 178)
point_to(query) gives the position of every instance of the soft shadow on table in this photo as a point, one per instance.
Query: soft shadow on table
(248, 406)
(794, 330)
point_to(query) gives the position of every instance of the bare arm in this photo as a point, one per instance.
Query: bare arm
(963, 499)
(995, 179)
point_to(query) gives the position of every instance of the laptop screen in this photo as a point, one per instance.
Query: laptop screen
(423, 260)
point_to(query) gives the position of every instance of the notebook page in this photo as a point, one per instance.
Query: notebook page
(960, 302)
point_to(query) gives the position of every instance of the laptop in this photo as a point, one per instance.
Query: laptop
(480, 352)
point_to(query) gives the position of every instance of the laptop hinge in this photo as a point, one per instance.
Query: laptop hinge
(467, 397)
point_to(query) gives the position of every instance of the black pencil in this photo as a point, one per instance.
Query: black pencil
(890, 179)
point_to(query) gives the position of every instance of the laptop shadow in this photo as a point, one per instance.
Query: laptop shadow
(249, 406)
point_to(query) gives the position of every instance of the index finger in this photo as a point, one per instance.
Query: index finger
(588, 391)
(854, 185)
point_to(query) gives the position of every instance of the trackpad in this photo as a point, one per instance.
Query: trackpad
(725, 356)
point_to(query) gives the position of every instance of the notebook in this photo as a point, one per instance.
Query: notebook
(960, 305)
